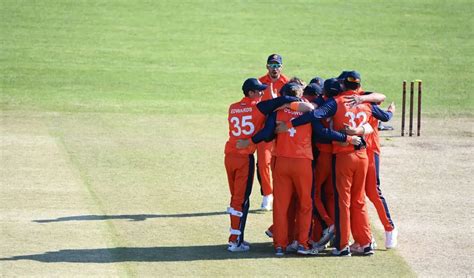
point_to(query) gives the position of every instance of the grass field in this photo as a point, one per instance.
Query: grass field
(113, 122)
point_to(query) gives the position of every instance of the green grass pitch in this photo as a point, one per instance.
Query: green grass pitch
(135, 94)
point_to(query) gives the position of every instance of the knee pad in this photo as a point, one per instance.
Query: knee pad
(235, 232)
(234, 212)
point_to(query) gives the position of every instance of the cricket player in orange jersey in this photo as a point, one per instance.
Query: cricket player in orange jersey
(350, 170)
(323, 219)
(274, 79)
(244, 120)
(267, 135)
(293, 175)
(322, 139)
(372, 185)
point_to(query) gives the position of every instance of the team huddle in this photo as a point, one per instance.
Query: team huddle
(318, 158)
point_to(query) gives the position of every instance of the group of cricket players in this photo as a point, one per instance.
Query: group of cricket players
(318, 150)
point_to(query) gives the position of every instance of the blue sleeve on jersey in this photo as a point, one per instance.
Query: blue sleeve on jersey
(327, 133)
(268, 106)
(319, 101)
(327, 110)
(381, 114)
(267, 133)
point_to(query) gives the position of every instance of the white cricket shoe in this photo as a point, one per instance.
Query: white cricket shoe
(293, 247)
(267, 202)
(345, 252)
(318, 247)
(306, 251)
(328, 234)
(356, 248)
(234, 247)
(391, 239)
(366, 250)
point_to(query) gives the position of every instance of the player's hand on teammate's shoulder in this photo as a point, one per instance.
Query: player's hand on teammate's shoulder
(281, 127)
(352, 100)
(242, 143)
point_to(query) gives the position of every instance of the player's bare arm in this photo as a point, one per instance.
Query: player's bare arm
(302, 106)
(361, 130)
(353, 100)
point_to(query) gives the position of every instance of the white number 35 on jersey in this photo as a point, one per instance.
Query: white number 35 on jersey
(246, 126)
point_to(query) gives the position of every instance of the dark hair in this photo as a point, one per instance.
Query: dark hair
(331, 93)
(351, 85)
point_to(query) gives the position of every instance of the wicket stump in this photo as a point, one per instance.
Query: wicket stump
(412, 104)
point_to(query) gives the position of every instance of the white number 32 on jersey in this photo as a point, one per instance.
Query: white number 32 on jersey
(353, 117)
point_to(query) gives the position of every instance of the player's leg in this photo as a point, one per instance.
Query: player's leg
(243, 170)
(292, 220)
(269, 231)
(390, 234)
(328, 189)
(283, 192)
(317, 221)
(374, 192)
(360, 226)
(342, 180)
(303, 179)
(231, 165)
(264, 157)
(322, 174)
(317, 227)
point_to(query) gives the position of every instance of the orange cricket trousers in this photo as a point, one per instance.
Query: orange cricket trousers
(240, 172)
(324, 195)
(291, 211)
(374, 193)
(264, 157)
(350, 170)
(292, 176)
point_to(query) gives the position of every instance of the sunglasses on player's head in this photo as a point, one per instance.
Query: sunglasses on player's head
(274, 66)
(353, 79)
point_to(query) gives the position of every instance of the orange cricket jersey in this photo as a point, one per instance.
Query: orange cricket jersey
(372, 139)
(296, 142)
(244, 121)
(266, 79)
(355, 117)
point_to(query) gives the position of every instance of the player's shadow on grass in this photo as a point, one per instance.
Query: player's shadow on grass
(134, 217)
(148, 254)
